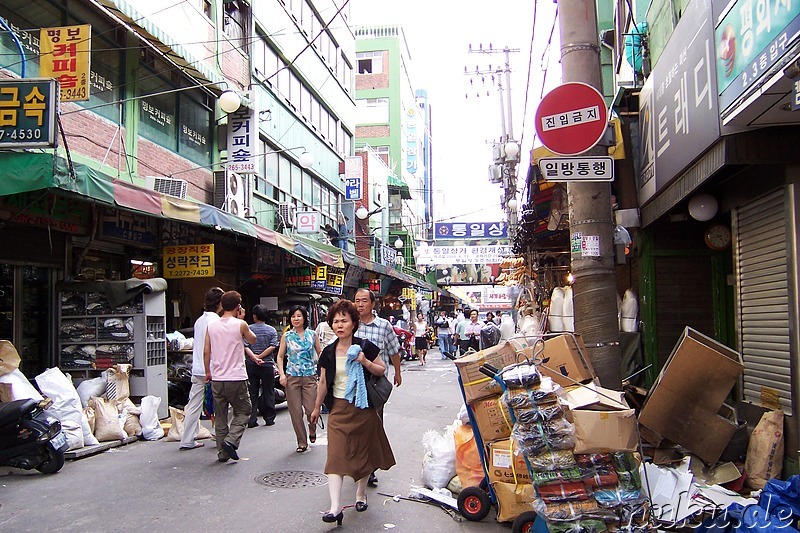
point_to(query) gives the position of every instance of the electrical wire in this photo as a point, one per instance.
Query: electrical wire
(528, 83)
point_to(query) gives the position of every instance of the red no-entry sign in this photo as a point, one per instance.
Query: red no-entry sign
(571, 118)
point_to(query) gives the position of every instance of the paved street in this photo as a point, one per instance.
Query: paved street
(151, 486)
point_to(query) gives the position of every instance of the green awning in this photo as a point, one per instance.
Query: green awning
(398, 183)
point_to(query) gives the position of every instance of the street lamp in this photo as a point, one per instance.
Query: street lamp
(363, 214)
(512, 151)
(399, 243)
(306, 159)
(230, 101)
(512, 204)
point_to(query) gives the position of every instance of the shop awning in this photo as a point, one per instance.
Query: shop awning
(25, 171)
(150, 32)
(394, 181)
(353, 259)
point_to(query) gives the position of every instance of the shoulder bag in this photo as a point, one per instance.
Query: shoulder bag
(378, 390)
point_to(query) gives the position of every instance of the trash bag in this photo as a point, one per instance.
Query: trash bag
(151, 428)
(439, 463)
(765, 450)
(739, 519)
(468, 461)
(777, 492)
(66, 407)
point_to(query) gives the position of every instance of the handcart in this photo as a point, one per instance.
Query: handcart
(474, 502)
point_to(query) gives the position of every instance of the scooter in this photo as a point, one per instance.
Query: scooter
(404, 338)
(29, 439)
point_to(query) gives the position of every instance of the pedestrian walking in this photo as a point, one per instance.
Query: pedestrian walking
(357, 442)
(194, 406)
(461, 334)
(324, 332)
(443, 333)
(420, 329)
(260, 365)
(223, 356)
(300, 349)
(472, 332)
(381, 333)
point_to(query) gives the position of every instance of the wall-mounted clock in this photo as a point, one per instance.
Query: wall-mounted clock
(718, 237)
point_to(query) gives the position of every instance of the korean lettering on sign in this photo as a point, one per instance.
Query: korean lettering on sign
(27, 113)
(471, 230)
(571, 118)
(65, 56)
(242, 141)
(189, 261)
(297, 277)
(308, 222)
(577, 168)
(486, 255)
(335, 280)
(319, 277)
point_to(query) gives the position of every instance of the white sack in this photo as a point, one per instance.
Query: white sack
(151, 428)
(66, 407)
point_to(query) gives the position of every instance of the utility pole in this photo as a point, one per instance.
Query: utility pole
(506, 151)
(590, 214)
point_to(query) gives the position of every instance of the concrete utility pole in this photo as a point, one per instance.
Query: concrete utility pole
(594, 290)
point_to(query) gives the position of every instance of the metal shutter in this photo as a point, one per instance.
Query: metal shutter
(763, 299)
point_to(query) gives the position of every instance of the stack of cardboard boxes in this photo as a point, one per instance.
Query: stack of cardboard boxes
(585, 422)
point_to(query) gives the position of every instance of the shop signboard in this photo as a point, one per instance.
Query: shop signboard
(489, 254)
(243, 140)
(678, 110)
(65, 54)
(267, 259)
(319, 278)
(297, 277)
(189, 261)
(353, 178)
(52, 212)
(307, 222)
(470, 230)
(335, 280)
(352, 276)
(750, 39)
(128, 227)
(28, 113)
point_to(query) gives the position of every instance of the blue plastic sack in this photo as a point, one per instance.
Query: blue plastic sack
(739, 519)
(777, 492)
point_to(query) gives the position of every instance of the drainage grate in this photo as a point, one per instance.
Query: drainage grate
(292, 479)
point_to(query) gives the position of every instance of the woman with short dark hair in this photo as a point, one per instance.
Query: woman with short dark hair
(357, 443)
(299, 346)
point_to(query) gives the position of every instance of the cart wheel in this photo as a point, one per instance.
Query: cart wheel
(473, 504)
(524, 522)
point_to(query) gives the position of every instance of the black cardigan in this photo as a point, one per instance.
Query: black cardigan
(327, 360)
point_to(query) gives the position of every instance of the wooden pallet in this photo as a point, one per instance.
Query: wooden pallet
(86, 451)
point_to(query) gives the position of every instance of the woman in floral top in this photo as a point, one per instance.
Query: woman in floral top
(300, 348)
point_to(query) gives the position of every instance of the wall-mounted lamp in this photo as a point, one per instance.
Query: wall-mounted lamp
(399, 243)
(230, 101)
(362, 213)
(512, 151)
(703, 207)
(445, 271)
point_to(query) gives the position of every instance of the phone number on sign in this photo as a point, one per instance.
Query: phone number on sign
(21, 134)
(191, 273)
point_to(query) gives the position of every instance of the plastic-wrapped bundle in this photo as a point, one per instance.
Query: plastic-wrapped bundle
(602, 477)
(571, 511)
(555, 460)
(547, 477)
(555, 434)
(520, 376)
(610, 497)
(539, 413)
(594, 460)
(578, 526)
(564, 492)
(629, 480)
(624, 461)
(519, 399)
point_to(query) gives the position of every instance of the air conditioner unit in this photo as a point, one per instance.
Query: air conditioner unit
(170, 186)
(286, 213)
(232, 192)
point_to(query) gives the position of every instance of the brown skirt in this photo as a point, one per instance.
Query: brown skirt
(357, 443)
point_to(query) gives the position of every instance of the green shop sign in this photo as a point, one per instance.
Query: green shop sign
(751, 38)
(27, 113)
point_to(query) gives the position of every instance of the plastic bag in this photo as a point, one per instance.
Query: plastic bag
(151, 428)
(468, 460)
(21, 388)
(782, 492)
(91, 387)
(439, 464)
(66, 407)
(130, 416)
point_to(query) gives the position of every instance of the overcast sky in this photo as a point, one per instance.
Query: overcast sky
(465, 125)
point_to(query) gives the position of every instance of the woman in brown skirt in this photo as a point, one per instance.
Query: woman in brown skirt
(357, 444)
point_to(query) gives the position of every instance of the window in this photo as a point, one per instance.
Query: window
(236, 24)
(208, 8)
(370, 62)
(383, 153)
(372, 111)
(157, 114)
(297, 181)
(194, 120)
(308, 192)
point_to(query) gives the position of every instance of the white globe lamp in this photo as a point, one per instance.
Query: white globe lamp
(512, 150)
(229, 101)
(703, 207)
(513, 204)
(362, 213)
(306, 159)
(398, 243)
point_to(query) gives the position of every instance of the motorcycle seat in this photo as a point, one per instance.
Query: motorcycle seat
(12, 411)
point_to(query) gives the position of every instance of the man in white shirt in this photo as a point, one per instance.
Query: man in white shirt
(191, 412)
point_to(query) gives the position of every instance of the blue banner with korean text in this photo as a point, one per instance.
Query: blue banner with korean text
(470, 230)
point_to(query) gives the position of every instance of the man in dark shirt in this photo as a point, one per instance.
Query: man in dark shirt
(260, 368)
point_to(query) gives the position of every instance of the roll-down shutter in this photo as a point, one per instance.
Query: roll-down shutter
(763, 299)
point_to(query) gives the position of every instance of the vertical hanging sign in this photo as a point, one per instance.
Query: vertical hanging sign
(242, 139)
(65, 56)
(353, 178)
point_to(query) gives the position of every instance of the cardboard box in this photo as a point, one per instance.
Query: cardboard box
(492, 418)
(565, 359)
(593, 397)
(604, 431)
(499, 457)
(683, 404)
(512, 500)
(476, 385)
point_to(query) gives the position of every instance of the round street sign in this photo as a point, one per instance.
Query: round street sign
(571, 118)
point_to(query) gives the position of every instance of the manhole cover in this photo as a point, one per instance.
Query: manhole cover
(292, 479)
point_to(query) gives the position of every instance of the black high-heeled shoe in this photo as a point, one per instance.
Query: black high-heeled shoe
(330, 518)
(362, 505)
